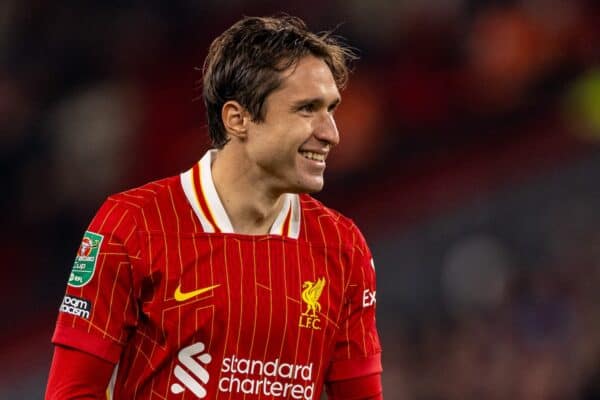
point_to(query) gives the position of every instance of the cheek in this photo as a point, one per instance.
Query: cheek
(268, 147)
(290, 134)
(279, 139)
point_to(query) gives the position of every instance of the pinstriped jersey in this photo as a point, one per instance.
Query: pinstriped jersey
(186, 308)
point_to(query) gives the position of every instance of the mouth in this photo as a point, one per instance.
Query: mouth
(310, 155)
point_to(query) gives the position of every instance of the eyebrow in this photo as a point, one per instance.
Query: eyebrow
(318, 101)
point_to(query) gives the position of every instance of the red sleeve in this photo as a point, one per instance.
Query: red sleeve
(357, 349)
(99, 311)
(75, 374)
(363, 388)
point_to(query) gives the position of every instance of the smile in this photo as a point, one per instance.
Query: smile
(313, 156)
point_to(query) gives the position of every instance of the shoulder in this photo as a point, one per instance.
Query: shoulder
(315, 211)
(144, 205)
(140, 197)
(328, 224)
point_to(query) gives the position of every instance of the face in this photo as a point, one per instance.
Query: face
(290, 147)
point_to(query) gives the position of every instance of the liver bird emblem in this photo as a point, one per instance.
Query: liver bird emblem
(310, 295)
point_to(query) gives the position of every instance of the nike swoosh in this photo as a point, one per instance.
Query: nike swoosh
(180, 296)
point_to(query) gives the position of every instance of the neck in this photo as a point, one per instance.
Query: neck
(250, 205)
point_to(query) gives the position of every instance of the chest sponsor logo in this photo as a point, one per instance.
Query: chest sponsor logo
(272, 378)
(368, 298)
(311, 292)
(76, 306)
(86, 259)
(183, 296)
(195, 376)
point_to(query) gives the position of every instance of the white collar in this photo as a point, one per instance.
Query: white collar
(199, 188)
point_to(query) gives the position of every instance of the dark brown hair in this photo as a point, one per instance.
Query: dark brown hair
(245, 63)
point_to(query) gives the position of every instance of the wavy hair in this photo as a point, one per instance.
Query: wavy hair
(245, 63)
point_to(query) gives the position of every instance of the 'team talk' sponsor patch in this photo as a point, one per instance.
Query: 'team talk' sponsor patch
(76, 306)
(85, 261)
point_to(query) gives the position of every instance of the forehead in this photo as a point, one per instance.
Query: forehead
(309, 77)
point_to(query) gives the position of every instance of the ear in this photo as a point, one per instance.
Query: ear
(235, 119)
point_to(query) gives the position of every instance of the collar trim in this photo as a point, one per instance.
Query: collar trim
(200, 191)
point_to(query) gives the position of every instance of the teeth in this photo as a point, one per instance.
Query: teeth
(313, 156)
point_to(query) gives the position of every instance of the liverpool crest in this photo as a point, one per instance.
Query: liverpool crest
(311, 292)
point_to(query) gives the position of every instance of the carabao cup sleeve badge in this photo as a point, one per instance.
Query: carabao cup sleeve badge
(85, 260)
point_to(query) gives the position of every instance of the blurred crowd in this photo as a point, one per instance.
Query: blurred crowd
(451, 104)
(543, 342)
(506, 304)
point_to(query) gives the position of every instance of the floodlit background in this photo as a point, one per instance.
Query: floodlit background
(470, 158)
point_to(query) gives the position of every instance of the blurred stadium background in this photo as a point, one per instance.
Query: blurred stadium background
(470, 158)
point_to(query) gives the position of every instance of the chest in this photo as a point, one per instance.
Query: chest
(242, 295)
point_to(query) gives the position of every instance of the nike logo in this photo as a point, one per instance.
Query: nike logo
(181, 296)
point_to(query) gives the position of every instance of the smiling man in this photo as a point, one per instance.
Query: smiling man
(229, 281)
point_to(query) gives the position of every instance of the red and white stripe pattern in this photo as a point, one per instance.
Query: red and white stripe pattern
(173, 235)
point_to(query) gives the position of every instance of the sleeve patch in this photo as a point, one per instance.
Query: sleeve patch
(76, 306)
(86, 259)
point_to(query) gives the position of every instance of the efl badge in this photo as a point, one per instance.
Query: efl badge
(310, 295)
(85, 261)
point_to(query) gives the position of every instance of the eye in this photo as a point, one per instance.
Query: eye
(333, 106)
(307, 108)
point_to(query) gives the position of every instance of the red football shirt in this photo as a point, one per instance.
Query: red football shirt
(186, 308)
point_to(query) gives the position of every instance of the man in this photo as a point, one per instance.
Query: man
(228, 281)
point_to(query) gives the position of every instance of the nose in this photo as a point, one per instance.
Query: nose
(326, 130)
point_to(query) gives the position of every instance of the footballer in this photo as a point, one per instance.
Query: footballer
(229, 281)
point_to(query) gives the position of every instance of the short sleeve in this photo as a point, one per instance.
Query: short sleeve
(357, 349)
(98, 310)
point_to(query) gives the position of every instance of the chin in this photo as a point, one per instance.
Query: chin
(312, 190)
(312, 185)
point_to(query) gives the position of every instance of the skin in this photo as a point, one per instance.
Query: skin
(264, 160)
